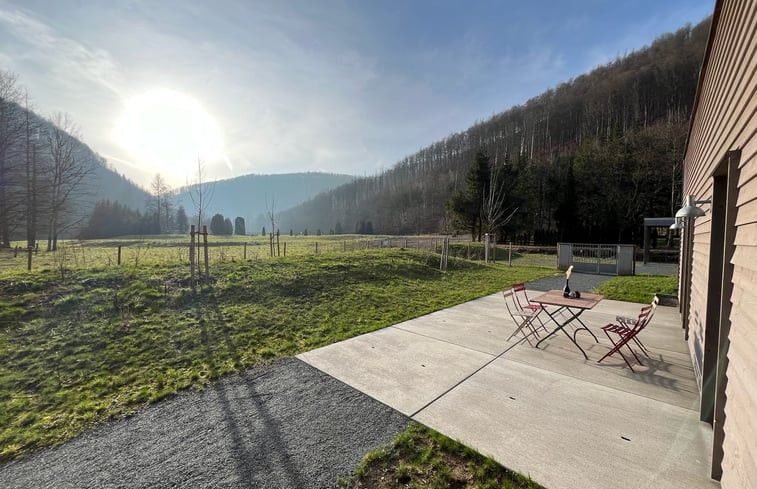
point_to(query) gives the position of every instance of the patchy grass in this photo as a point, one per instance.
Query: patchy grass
(639, 288)
(104, 341)
(420, 457)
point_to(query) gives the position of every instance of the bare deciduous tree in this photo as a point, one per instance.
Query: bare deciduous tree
(160, 203)
(31, 199)
(67, 175)
(495, 209)
(270, 212)
(201, 193)
(12, 130)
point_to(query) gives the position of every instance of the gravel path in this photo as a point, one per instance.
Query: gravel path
(582, 282)
(285, 425)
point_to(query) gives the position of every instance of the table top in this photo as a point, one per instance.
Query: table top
(555, 298)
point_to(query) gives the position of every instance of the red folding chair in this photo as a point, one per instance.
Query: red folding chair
(523, 318)
(627, 330)
(523, 303)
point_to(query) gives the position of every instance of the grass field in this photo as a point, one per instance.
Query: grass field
(104, 340)
(164, 249)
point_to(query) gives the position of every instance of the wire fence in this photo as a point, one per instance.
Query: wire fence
(156, 250)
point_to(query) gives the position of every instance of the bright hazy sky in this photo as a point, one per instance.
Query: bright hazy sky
(281, 86)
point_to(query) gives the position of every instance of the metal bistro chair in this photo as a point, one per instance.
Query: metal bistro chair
(627, 330)
(524, 303)
(523, 318)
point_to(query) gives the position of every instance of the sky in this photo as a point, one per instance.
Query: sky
(315, 85)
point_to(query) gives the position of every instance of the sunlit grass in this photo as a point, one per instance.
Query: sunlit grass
(639, 288)
(105, 340)
(420, 457)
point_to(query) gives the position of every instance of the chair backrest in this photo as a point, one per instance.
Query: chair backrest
(508, 293)
(645, 315)
(652, 308)
(520, 290)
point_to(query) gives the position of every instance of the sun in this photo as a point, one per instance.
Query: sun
(167, 131)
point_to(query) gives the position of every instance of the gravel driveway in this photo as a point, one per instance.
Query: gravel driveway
(285, 425)
(582, 282)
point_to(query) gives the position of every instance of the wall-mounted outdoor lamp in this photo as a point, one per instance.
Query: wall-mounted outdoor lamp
(677, 225)
(691, 209)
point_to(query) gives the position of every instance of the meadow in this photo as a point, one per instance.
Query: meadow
(163, 249)
(83, 340)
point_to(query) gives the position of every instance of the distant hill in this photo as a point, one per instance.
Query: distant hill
(111, 185)
(246, 196)
(589, 159)
(106, 183)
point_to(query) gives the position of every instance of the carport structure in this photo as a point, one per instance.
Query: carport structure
(548, 413)
(654, 222)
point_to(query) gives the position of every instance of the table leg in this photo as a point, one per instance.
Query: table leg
(583, 326)
(561, 327)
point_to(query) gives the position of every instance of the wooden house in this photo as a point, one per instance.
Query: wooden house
(718, 274)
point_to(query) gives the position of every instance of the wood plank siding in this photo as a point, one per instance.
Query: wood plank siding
(724, 123)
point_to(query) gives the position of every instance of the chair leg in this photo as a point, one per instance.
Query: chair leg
(642, 347)
(520, 329)
(616, 349)
(634, 354)
(543, 326)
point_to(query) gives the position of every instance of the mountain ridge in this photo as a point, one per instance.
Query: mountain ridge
(614, 113)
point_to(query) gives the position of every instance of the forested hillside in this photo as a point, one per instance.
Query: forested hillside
(49, 179)
(589, 158)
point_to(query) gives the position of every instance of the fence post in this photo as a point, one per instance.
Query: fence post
(316, 247)
(599, 257)
(344, 246)
(285, 248)
(244, 254)
(564, 255)
(191, 256)
(119, 256)
(205, 245)
(15, 252)
(510, 255)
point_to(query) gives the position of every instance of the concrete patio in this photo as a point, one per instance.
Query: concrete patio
(565, 421)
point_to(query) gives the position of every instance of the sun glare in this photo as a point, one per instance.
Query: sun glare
(168, 131)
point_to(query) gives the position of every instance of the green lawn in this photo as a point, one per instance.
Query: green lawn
(639, 288)
(420, 457)
(106, 340)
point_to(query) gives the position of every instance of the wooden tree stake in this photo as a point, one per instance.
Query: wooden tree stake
(191, 256)
(205, 245)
